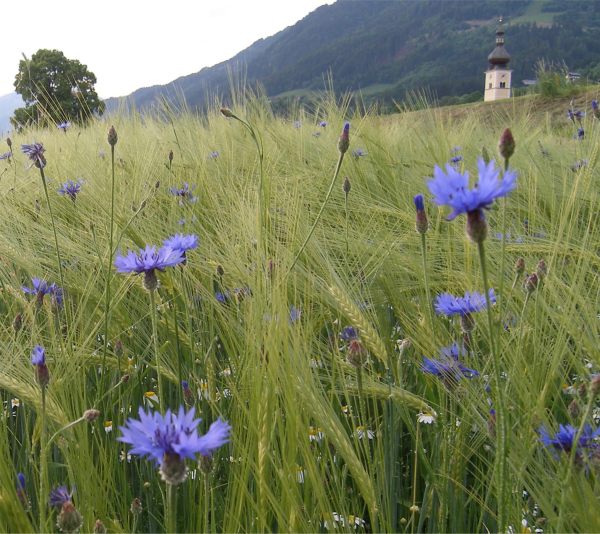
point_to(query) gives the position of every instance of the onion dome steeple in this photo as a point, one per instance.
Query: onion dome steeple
(499, 56)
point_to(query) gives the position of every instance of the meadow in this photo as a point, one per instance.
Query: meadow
(304, 316)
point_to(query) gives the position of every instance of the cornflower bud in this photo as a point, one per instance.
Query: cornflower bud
(9, 143)
(506, 145)
(344, 141)
(421, 224)
(69, 519)
(118, 348)
(136, 506)
(357, 354)
(531, 283)
(541, 269)
(220, 270)
(227, 113)
(346, 186)
(99, 527)
(91, 415)
(170, 157)
(112, 136)
(520, 266)
(18, 322)
(476, 226)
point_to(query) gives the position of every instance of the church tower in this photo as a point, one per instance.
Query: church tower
(497, 77)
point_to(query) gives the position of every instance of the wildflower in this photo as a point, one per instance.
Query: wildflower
(91, 415)
(344, 141)
(564, 438)
(222, 296)
(295, 314)
(574, 114)
(147, 261)
(71, 189)
(425, 418)
(531, 283)
(449, 305)
(69, 519)
(447, 367)
(541, 270)
(359, 153)
(6, 155)
(315, 434)
(363, 432)
(35, 152)
(182, 243)
(506, 144)
(421, 224)
(108, 426)
(184, 193)
(40, 289)
(451, 189)
(348, 333)
(580, 134)
(151, 398)
(300, 474)
(21, 491)
(595, 109)
(170, 439)
(188, 396)
(323, 124)
(357, 353)
(59, 496)
(64, 126)
(214, 154)
(38, 359)
(579, 164)
(112, 136)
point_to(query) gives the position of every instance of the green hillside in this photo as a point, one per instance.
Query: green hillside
(385, 49)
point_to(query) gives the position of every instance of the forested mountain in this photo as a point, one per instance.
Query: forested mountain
(385, 48)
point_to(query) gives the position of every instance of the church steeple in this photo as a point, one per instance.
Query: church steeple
(499, 56)
(498, 75)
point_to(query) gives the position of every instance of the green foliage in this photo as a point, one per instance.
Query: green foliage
(55, 89)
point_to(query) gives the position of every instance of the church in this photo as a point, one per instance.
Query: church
(498, 75)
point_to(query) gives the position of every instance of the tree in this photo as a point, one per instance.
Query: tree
(55, 89)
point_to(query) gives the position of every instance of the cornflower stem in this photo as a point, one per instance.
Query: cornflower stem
(58, 258)
(109, 268)
(503, 245)
(573, 454)
(170, 509)
(346, 209)
(316, 221)
(177, 346)
(161, 392)
(426, 280)
(414, 488)
(206, 502)
(500, 414)
(43, 496)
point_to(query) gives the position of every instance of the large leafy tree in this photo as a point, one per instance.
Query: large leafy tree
(55, 89)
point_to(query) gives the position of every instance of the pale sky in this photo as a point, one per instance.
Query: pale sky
(130, 44)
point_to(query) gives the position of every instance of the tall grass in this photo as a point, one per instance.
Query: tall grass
(317, 444)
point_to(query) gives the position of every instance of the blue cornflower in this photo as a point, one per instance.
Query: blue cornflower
(451, 188)
(6, 155)
(323, 124)
(456, 159)
(59, 496)
(580, 134)
(35, 152)
(563, 439)
(184, 192)
(182, 242)
(359, 153)
(449, 305)
(214, 154)
(147, 261)
(295, 314)
(222, 296)
(447, 367)
(42, 288)
(64, 126)
(38, 360)
(20, 481)
(348, 333)
(170, 439)
(71, 189)
(575, 114)
(421, 224)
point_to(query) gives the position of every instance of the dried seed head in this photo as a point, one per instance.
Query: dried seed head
(112, 136)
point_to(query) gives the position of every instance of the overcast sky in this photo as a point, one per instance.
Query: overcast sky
(130, 44)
